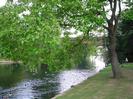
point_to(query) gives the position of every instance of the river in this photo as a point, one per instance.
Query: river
(17, 83)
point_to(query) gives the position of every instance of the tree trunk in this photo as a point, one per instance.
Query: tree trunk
(116, 70)
(112, 30)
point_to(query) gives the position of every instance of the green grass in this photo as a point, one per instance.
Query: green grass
(102, 86)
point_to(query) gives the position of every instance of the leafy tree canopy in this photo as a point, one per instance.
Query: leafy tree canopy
(127, 14)
(28, 33)
(125, 35)
(31, 33)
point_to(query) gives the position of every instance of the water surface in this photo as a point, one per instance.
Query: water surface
(16, 83)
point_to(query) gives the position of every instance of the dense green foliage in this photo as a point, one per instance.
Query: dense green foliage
(28, 38)
(31, 34)
(82, 15)
(127, 14)
(125, 36)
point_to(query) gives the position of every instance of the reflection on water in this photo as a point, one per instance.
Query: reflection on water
(16, 83)
(71, 78)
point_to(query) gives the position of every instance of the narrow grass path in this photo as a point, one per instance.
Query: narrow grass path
(102, 86)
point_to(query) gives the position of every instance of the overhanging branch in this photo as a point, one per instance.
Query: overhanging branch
(119, 4)
(106, 27)
(110, 1)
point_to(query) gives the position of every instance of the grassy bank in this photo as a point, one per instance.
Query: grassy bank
(102, 86)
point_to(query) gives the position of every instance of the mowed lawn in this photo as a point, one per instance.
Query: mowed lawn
(102, 86)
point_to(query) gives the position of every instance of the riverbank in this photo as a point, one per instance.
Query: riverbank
(102, 86)
(8, 62)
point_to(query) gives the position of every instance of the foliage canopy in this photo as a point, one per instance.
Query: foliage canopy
(30, 33)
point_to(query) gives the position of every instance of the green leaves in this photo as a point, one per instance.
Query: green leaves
(28, 37)
(128, 14)
(31, 34)
(80, 14)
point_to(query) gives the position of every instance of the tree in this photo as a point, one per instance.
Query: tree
(83, 15)
(30, 33)
(92, 12)
(25, 31)
(125, 36)
(112, 24)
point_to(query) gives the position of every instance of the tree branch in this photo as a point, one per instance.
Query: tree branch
(119, 13)
(119, 4)
(105, 27)
(110, 1)
(107, 20)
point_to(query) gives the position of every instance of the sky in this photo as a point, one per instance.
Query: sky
(2, 2)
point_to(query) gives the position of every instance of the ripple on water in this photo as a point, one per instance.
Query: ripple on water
(46, 87)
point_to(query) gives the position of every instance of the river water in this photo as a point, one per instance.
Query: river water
(16, 83)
